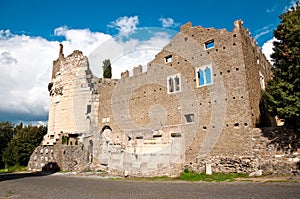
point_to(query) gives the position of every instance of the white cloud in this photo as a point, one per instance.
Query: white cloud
(80, 39)
(125, 25)
(26, 65)
(124, 55)
(168, 23)
(263, 31)
(7, 58)
(267, 48)
(25, 72)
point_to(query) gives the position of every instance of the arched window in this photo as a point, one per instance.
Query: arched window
(171, 85)
(174, 83)
(177, 83)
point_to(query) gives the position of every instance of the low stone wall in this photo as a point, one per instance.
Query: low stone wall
(42, 158)
(275, 150)
(59, 157)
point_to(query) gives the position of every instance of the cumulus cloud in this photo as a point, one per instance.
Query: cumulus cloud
(7, 58)
(168, 23)
(129, 53)
(81, 39)
(125, 25)
(25, 69)
(267, 48)
(26, 63)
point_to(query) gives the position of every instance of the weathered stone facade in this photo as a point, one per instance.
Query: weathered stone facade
(198, 103)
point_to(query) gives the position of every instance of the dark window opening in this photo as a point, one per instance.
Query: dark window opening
(209, 44)
(174, 83)
(189, 118)
(88, 109)
(168, 59)
(177, 83)
(171, 85)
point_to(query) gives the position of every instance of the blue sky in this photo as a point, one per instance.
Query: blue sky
(31, 30)
(40, 18)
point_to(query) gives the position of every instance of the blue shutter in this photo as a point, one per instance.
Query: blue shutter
(201, 77)
(208, 75)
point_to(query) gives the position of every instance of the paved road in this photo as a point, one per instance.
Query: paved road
(58, 186)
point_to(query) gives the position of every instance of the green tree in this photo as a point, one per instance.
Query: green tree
(7, 132)
(20, 148)
(282, 95)
(106, 69)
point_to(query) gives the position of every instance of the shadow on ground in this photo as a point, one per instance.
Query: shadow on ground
(48, 169)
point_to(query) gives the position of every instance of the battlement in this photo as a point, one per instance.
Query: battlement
(138, 70)
(125, 74)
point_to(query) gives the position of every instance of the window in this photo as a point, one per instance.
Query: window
(174, 83)
(88, 109)
(204, 76)
(209, 44)
(262, 80)
(168, 59)
(189, 118)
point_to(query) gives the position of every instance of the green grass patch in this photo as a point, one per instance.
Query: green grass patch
(12, 169)
(215, 177)
(160, 178)
(155, 178)
(64, 171)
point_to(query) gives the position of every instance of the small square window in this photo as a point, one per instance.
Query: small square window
(209, 44)
(189, 118)
(168, 59)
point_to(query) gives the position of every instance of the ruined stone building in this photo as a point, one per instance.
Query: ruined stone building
(198, 103)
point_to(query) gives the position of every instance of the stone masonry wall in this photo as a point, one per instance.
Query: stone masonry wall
(70, 95)
(59, 157)
(275, 151)
(158, 121)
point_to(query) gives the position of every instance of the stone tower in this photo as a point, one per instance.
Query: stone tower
(70, 98)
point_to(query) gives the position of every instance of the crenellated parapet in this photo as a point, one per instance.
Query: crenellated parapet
(137, 70)
(125, 74)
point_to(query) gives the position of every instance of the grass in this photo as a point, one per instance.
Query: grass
(193, 177)
(12, 169)
(215, 177)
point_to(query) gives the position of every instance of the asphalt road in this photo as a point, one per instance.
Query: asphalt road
(60, 186)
